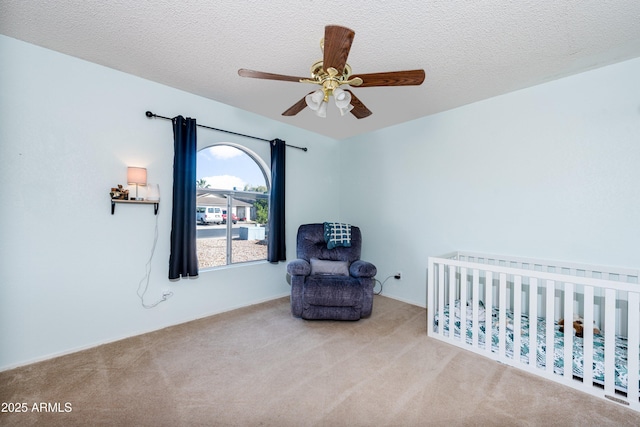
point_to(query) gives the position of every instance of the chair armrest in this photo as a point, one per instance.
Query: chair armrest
(299, 267)
(362, 269)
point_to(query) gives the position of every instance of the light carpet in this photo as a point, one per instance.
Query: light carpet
(259, 366)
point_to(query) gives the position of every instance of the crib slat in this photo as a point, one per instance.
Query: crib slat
(463, 304)
(587, 368)
(475, 290)
(549, 326)
(609, 341)
(633, 344)
(502, 317)
(441, 287)
(452, 302)
(568, 331)
(517, 317)
(488, 306)
(431, 293)
(533, 321)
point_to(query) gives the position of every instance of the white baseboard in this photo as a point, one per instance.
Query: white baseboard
(423, 305)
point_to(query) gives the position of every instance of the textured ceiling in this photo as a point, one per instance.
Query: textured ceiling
(470, 50)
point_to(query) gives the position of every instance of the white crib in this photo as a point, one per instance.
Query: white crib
(476, 290)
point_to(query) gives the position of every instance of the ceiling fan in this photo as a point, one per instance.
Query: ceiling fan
(332, 72)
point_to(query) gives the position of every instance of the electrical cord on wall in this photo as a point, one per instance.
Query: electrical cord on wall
(381, 284)
(143, 290)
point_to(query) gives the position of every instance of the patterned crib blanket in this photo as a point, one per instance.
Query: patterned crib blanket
(578, 357)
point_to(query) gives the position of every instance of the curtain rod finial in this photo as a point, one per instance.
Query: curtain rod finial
(149, 114)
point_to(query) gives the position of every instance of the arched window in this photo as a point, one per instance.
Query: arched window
(232, 195)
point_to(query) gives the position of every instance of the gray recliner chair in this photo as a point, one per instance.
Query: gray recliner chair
(330, 282)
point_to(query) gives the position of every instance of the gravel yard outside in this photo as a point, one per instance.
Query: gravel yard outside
(213, 252)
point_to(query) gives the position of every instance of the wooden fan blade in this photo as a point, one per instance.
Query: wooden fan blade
(359, 109)
(296, 108)
(269, 76)
(337, 44)
(392, 78)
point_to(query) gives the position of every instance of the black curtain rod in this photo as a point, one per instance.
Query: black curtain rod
(151, 115)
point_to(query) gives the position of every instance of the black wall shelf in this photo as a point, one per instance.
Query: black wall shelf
(139, 202)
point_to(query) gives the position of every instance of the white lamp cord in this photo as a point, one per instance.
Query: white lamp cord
(147, 275)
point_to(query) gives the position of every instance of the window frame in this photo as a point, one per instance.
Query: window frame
(230, 195)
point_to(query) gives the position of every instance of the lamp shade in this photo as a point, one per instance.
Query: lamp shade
(346, 109)
(314, 100)
(137, 176)
(342, 99)
(322, 110)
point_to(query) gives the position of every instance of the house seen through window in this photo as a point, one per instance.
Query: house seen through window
(231, 206)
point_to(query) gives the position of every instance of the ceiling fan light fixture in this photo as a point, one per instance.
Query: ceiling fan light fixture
(346, 109)
(342, 99)
(315, 100)
(341, 96)
(322, 110)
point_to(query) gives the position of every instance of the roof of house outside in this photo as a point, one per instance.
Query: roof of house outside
(213, 200)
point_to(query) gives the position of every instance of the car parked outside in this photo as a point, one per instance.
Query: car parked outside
(234, 218)
(208, 215)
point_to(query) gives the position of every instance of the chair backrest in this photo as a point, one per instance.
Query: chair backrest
(311, 244)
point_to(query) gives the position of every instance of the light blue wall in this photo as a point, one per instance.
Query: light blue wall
(69, 270)
(549, 172)
(552, 172)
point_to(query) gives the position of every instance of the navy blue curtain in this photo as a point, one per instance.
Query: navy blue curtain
(183, 260)
(276, 237)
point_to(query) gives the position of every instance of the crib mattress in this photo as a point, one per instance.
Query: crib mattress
(578, 358)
